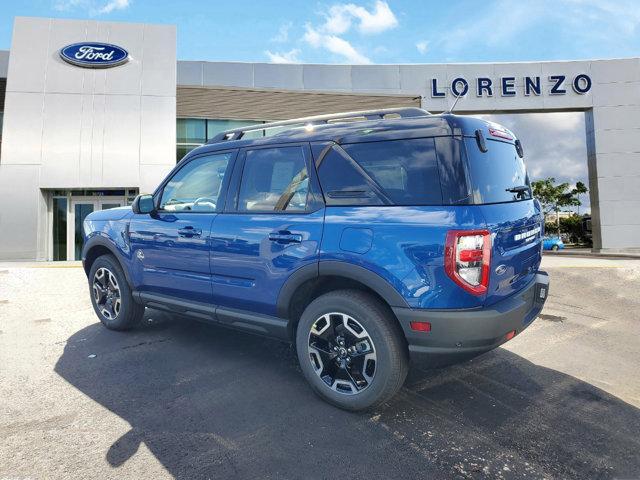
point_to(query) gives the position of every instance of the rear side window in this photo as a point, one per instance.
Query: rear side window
(274, 179)
(498, 175)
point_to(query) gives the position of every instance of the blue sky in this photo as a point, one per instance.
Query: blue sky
(396, 31)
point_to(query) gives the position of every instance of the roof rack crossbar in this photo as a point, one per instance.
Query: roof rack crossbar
(237, 133)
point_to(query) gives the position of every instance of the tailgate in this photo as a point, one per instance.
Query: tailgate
(516, 230)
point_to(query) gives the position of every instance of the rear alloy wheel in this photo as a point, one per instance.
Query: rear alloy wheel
(342, 353)
(351, 349)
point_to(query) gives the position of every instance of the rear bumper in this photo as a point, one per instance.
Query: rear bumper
(466, 333)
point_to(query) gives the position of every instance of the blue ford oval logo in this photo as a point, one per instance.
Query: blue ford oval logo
(500, 269)
(94, 55)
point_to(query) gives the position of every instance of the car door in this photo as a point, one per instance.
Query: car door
(271, 227)
(171, 247)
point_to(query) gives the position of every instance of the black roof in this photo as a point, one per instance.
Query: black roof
(425, 125)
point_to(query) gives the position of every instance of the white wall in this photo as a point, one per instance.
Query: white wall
(4, 63)
(72, 127)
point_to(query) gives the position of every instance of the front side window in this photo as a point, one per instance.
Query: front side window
(196, 186)
(274, 180)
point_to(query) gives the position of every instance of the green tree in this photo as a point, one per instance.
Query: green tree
(554, 197)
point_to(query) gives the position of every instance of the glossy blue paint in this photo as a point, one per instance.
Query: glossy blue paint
(94, 55)
(248, 268)
(407, 249)
(174, 261)
(520, 256)
(111, 228)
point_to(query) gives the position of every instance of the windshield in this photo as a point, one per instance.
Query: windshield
(499, 175)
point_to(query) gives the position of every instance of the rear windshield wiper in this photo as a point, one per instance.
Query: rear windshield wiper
(518, 189)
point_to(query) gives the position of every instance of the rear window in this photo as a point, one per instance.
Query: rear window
(498, 175)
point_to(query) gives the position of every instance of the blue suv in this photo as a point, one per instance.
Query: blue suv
(366, 238)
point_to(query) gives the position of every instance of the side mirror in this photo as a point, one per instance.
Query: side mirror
(143, 204)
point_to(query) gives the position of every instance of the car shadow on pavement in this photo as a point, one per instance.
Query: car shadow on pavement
(213, 403)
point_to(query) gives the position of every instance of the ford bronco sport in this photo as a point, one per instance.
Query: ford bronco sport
(366, 238)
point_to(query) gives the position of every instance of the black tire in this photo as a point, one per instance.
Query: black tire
(388, 344)
(122, 315)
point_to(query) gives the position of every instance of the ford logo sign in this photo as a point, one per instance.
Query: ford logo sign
(94, 55)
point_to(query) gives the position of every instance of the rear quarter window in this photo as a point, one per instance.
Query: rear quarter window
(422, 171)
(405, 170)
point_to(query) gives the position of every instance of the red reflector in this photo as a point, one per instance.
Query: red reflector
(421, 326)
(470, 255)
(510, 335)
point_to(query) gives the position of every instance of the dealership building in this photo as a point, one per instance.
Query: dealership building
(92, 113)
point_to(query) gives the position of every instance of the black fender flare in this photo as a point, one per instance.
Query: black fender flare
(98, 240)
(341, 269)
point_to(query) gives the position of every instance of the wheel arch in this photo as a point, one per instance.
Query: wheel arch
(311, 281)
(94, 248)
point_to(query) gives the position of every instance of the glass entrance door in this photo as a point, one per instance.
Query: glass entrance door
(80, 208)
(67, 211)
(80, 212)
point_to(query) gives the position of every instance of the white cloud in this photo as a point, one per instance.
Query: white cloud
(339, 18)
(334, 44)
(284, 57)
(283, 33)
(328, 33)
(422, 46)
(114, 5)
(91, 7)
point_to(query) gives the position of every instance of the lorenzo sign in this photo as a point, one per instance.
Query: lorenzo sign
(94, 55)
(506, 86)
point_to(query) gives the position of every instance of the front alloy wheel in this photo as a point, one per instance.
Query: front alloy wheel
(342, 353)
(106, 293)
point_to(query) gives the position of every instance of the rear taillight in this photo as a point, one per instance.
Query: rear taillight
(468, 258)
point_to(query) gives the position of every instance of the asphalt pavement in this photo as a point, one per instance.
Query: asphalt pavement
(178, 398)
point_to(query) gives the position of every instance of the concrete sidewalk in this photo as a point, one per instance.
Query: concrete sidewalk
(587, 252)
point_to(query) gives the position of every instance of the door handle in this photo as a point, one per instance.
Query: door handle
(189, 232)
(285, 236)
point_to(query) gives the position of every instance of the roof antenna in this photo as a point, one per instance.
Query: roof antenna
(458, 97)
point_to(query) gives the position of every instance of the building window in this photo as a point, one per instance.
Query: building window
(193, 132)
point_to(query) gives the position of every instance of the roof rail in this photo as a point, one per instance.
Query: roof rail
(406, 112)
